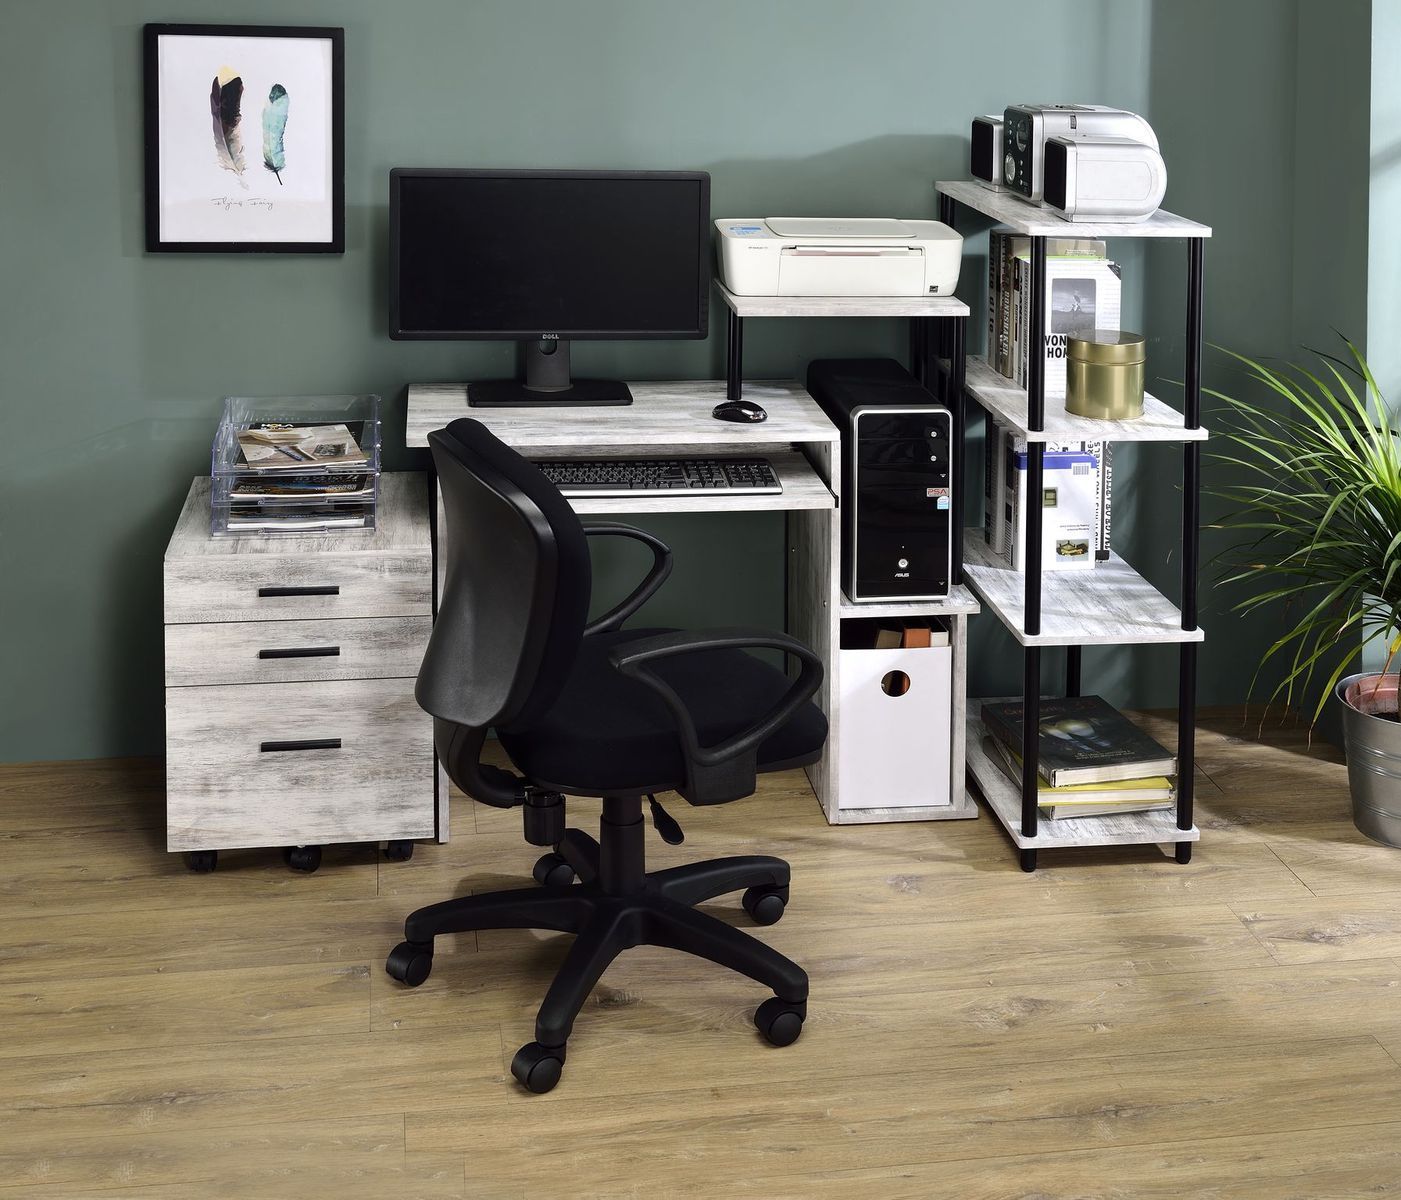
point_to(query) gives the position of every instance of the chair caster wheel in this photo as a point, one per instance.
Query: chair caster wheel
(780, 1021)
(1184, 852)
(201, 862)
(409, 963)
(302, 858)
(398, 851)
(765, 904)
(1028, 860)
(537, 1068)
(551, 870)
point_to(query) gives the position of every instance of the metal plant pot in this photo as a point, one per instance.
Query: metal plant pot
(1373, 753)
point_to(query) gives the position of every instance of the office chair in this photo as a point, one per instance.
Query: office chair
(591, 709)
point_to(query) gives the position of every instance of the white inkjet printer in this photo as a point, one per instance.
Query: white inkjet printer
(833, 256)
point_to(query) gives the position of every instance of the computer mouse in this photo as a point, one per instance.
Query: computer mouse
(739, 410)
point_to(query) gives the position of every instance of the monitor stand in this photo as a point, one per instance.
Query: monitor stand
(547, 383)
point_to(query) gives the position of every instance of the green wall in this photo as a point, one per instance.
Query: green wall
(113, 362)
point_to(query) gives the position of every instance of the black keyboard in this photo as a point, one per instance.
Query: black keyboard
(661, 476)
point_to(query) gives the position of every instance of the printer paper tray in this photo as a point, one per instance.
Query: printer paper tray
(851, 271)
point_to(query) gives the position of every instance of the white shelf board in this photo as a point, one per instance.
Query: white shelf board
(802, 488)
(959, 600)
(964, 810)
(1006, 399)
(1004, 798)
(662, 415)
(1108, 605)
(1021, 216)
(842, 306)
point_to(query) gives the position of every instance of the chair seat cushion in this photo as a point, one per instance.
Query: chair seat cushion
(609, 734)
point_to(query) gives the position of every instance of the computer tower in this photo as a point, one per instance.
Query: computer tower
(896, 478)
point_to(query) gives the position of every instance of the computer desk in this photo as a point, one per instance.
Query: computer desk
(673, 419)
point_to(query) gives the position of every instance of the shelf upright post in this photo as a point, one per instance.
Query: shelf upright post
(734, 355)
(1036, 423)
(958, 455)
(1072, 670)
(944, 342)
(1191, 525)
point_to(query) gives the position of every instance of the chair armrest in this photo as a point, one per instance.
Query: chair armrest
(644, 591)
(727, 770)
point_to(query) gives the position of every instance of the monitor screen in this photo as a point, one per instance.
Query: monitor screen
(517, 254)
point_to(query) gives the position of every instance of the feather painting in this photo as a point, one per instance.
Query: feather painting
(274, 125)
(225, 104)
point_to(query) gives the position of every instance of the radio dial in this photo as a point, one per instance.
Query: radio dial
(1009, 167)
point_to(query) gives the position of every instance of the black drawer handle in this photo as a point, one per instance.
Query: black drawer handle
(302, 652)
(304, 744)
(329, 589)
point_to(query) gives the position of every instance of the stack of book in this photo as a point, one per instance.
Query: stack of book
(1082, 294)
(1091, 759)
(301, 473)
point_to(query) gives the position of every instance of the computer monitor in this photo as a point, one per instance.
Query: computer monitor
(546, 257)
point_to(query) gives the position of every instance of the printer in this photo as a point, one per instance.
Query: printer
(824, 256)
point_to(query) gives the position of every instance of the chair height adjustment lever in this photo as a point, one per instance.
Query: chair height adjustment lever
(665, 823)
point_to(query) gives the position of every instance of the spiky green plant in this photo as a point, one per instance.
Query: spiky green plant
(1318, 498)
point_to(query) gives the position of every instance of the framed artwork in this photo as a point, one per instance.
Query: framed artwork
(245, 139)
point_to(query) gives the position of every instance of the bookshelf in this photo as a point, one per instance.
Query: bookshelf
(1113, 604)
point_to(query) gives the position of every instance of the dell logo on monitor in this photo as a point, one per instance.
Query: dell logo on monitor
(549, 337)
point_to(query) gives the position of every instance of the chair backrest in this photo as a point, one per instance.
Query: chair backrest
(516, 587)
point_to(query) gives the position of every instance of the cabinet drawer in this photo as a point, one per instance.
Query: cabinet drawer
(241, 769)
(294, 651)
(276, 587)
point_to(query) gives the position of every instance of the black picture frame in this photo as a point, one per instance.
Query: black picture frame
(152, 34)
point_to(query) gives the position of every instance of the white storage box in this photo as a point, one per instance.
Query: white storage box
(895, 735)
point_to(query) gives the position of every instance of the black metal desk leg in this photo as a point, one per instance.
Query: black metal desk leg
(734, 356)
(1191, 525)
(1072, 670)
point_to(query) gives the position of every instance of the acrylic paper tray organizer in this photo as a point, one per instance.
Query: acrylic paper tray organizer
(288, 499)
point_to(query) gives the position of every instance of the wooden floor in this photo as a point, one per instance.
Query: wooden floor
(1113, 1026)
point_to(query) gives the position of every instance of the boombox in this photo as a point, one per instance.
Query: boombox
(1026, 128)
(985, 160)
(1103, 178)
(897, 478)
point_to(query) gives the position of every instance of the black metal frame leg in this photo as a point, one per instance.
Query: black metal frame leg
(734, 355)
(705, 880)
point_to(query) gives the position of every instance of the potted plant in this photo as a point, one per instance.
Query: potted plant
(1317, 494)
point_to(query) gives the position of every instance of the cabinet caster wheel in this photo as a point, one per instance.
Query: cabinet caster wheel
(1028, 860)
(765, 904)
(537, 1068)
(551, 870)
(409, 964)
(398, 851)
(302, 858)
(201, 862)
(780, 1021)
(1184, 852)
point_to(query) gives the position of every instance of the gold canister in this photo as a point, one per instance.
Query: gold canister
(1104, 375)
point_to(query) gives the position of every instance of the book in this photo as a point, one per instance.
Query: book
(299, 521)
(287, 487)
(1069, 506)
(1082, 739)
(1064, 812)
(271, 446)
(1082, 295)
(1127, 795)
(1004, 485)
(1003, 249)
